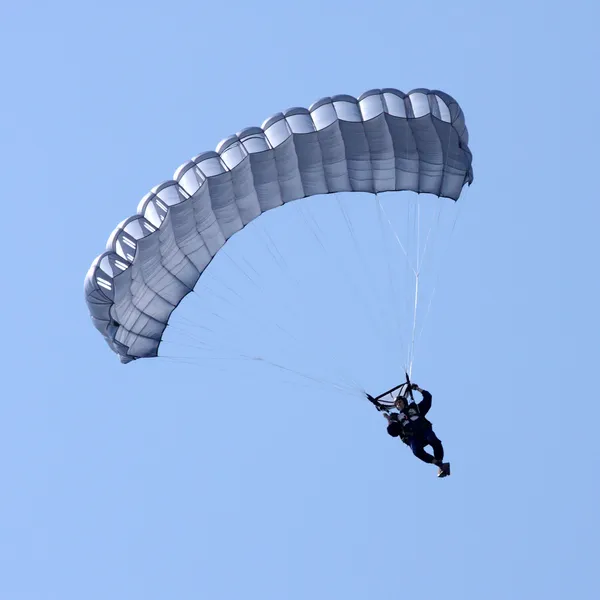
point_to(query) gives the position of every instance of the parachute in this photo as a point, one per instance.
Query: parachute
(382, 141)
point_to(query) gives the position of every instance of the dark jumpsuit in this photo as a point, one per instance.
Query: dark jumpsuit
(418, 432)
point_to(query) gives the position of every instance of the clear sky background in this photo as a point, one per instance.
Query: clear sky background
(230, 480)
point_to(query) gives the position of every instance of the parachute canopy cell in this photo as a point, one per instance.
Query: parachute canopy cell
(381, 142)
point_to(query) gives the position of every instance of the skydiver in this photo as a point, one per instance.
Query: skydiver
(411, 426)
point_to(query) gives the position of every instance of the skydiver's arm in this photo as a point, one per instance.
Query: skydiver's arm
(425, 404)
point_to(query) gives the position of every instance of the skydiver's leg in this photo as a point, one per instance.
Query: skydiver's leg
(436, 444)
(417, 445)
(438, 451)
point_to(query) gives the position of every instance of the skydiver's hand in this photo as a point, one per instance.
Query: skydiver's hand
(415, 386)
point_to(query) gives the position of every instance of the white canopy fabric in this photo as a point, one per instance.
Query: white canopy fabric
(383, 141)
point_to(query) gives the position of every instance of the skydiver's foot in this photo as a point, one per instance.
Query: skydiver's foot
(444, 470)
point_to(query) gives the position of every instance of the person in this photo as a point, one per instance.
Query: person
(411, 426)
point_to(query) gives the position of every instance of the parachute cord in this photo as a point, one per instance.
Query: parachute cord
(381, 327)
(235, 352)
(418, 234)
(193, 346)
(436, 224)
(408, 363)
(278, 261)
(191, 361)
(398, 239)
(412, 346)
(242, 271)
(393, 293)
(439, 269)
(194, 324)
(421, 261)
(319, 380)
(241, 306)
(292, 308)
(196, 360)
(368, 271)
(304, 375)
(340, 266)
(254, 317)
(187, 333)
(414, 328)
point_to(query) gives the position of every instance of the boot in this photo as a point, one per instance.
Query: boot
(444, 470)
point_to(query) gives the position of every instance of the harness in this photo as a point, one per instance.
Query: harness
(408, 416)
(409, 421)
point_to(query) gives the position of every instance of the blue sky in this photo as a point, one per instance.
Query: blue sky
(168, 480)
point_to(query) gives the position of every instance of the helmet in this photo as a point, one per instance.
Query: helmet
(400, 402)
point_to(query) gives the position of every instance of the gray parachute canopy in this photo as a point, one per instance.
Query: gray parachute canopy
(383, 141)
